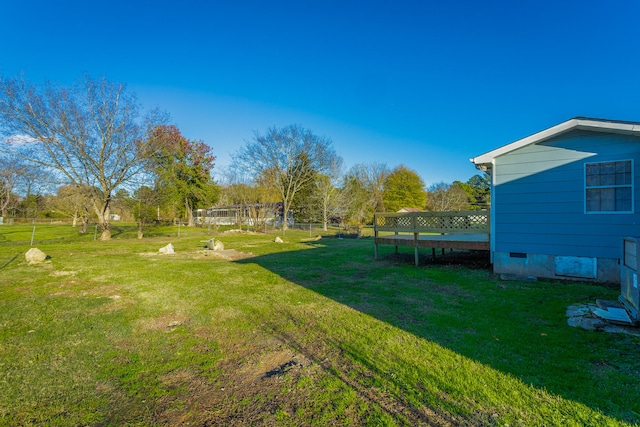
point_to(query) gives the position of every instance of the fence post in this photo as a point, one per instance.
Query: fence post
(375, 236)
(33, 234)
(416, 237)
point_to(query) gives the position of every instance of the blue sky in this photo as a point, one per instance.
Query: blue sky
(427, 84)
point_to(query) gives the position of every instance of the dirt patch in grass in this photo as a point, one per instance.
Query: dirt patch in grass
(59, 273)
(226, 255)
(260, 381)
(167, 322)
(275, 381)
(70, 286)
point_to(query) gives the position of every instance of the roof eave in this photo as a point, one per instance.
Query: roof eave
(575, 123)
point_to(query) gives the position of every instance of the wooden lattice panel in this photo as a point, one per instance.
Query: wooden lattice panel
(479, 221)
(438, 222)
(427, 222)
(404, 221)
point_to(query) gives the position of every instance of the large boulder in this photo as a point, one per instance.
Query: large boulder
(35, 256)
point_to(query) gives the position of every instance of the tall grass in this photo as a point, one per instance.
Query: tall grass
(301, 333)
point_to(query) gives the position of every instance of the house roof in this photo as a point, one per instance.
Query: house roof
(577, 123)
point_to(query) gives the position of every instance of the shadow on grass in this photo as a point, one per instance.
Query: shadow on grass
(517, 328)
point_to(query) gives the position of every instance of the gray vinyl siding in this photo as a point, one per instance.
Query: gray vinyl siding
(539, 197)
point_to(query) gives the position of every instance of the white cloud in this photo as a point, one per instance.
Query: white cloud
(18, 140)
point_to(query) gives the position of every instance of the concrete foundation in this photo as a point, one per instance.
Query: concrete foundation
(601, 270)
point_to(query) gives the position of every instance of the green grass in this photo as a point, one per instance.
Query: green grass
(302, 333)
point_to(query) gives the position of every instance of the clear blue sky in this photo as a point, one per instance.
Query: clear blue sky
(427, 84)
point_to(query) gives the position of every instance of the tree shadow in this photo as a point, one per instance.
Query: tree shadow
(456, 302)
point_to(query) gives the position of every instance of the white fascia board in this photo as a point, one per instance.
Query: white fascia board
(487, 158)
(615, 127)
(584, 124)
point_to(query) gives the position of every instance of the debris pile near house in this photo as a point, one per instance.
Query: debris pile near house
(612, 311)
(606, 316)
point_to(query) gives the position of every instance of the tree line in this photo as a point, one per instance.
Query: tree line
(90, 152)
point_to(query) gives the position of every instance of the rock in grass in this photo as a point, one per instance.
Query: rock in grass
(167, 249)
(278, 240)
(215, 245)
(35, 256)
(210, 244)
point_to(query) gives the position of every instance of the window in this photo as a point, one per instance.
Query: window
(609, 187)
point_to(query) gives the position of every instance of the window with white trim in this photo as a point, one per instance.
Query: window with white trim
(609, 187)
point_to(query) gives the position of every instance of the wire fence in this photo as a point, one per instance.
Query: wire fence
(10, 221)
(38, 231)
(313, 229)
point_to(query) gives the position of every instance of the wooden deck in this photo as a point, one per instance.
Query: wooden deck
(435, 230)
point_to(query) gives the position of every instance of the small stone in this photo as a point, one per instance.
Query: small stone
(278, 240)
(167, 249)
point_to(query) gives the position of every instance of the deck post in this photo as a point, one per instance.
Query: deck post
(416, 236)
(375, 238)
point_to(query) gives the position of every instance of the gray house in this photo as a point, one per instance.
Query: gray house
(563, 199)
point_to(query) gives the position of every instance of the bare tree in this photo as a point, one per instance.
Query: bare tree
(21, 184)
(33, 184)
(253, 197)
(364, 185)
(74, 202)
(10, 173)
(327, 196)
(442, 197)
(90, 135)
(287, 159)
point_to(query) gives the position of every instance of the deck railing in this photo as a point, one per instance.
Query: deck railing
(460, 222)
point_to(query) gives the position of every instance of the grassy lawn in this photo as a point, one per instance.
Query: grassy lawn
(298, 333)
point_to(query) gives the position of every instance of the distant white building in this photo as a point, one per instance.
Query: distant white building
(250, 214)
